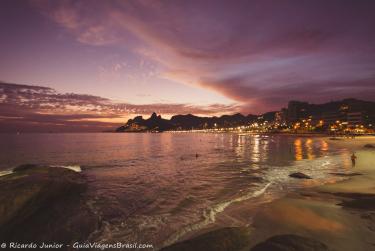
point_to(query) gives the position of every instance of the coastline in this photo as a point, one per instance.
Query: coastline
(309, 134)
(338, 216)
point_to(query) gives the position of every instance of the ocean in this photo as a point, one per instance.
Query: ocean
(162, 188)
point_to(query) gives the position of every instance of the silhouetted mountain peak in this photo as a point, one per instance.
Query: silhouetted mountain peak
(156, 123)
(138, 119)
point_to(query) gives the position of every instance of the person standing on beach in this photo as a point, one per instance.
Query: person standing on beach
(353, 158)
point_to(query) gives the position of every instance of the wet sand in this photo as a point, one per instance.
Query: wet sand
(339, 216)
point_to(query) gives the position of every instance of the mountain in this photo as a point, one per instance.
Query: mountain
(184, 122)
(154, 124)
(296, 111)
(351, 104)
(334, 110)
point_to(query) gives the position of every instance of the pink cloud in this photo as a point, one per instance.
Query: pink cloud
(257, 53)
(43, 107)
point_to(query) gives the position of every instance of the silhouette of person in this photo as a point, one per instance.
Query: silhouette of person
(353, 158)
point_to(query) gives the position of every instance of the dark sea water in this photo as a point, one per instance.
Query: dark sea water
(160, 188)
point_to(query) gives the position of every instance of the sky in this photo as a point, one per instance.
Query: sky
(87, 65)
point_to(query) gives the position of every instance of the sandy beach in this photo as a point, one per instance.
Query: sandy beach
(339, 216)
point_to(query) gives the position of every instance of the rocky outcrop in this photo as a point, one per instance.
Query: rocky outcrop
(153, 124)
(346, 174)
(290, 243)
(44, 204)
(357, 201)
(299, 175)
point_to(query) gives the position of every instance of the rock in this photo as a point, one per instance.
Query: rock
(290, 243)
(24, 167)
(230, 238)
(358, 201)
(153, 124)
(299, 175)
(346, 174)
(369, 146)
(44, 204)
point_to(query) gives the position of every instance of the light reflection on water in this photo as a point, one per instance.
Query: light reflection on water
(309, 148)
(144, 183)
(298, 149)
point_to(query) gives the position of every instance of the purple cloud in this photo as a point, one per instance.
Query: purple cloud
(257, 53)
(37, 108)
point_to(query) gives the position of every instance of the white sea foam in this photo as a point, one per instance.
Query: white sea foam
(74, 168)
(209, 215)
(318, 169)
(5, 172)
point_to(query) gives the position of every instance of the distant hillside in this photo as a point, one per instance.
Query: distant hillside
(334, 110)
(186, 122)
(154, 123)
(296, 110)
(354, 105)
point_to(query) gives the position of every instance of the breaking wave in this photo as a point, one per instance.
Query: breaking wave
(5, 172)
(75, 168)
(209, 215)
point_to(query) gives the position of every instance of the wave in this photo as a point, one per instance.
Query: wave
(5, 172)
(75, 168)
(209, 215)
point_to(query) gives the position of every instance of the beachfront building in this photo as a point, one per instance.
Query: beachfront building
(345, 116)
(355, 118)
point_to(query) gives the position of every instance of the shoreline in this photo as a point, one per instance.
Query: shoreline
(338, 216)
(327, 135)
(202, 131)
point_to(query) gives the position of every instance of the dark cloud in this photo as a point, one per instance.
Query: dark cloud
(285, 49)
(259, 99)
(258, 53)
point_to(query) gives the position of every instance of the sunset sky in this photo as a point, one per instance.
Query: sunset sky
(91, 65)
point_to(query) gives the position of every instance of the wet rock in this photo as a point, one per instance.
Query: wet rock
(369, 218)
(369, 146)
(225, 239)
(44, 204)
(357, 201)
(299, 175)
(24, 167)
(346, 174)
(290, 243)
